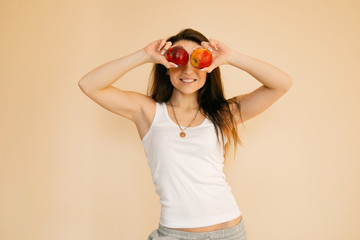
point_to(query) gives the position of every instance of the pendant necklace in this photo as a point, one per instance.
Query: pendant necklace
(182, 133)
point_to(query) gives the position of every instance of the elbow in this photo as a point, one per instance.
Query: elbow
(81, 85)
(288, 82)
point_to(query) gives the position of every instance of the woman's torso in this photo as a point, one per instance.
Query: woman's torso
(216, 227)
(143, 126)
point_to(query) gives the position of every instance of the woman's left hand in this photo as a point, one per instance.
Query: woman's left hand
(220, 52)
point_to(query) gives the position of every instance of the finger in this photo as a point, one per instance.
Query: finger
(207, 46)
(166, 47)
(172, 65)
(168, 64)
(161, 44)
(213, 43)
(209, 69)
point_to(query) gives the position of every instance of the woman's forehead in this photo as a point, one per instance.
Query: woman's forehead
(188, 45)
(187, 42)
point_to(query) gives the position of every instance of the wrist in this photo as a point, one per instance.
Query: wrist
(231, 58)
(143, 56)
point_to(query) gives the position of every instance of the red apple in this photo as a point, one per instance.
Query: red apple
(201, 58)
(177, 55)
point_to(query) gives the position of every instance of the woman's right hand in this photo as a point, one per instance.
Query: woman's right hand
(155, 52)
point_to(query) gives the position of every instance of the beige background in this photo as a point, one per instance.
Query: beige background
(70, 169)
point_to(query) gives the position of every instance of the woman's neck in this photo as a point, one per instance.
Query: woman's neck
(185, 102)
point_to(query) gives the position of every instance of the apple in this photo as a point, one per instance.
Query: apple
(177, 55)
(201, 58)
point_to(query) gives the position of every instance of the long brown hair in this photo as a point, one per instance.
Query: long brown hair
(210, 97)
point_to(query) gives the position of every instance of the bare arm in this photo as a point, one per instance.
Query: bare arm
(275, 84)
(275, 81)
(97, 83)
(108, 73)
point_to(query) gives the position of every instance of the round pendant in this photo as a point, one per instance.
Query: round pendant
(182, 134)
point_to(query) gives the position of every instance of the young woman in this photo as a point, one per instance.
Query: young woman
(186, 125)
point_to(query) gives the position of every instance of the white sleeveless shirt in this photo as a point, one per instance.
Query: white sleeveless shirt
(188, 173)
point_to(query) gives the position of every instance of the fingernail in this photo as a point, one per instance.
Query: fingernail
(163, 51)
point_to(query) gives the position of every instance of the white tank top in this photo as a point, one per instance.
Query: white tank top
(188, 173)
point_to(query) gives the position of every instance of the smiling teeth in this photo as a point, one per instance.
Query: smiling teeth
(192, 80)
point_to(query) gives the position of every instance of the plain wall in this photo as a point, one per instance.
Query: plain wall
(69, 169)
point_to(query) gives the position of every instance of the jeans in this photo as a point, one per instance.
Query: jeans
(237, 232)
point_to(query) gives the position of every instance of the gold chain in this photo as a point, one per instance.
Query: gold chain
(182, 133)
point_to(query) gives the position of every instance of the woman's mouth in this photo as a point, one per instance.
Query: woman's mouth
(187, 80)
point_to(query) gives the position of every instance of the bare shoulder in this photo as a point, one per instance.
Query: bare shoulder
(147, 107)
(143, 119)
(140, 108)
(257, 101)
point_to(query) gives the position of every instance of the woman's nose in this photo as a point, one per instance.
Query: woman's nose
(188, 67)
